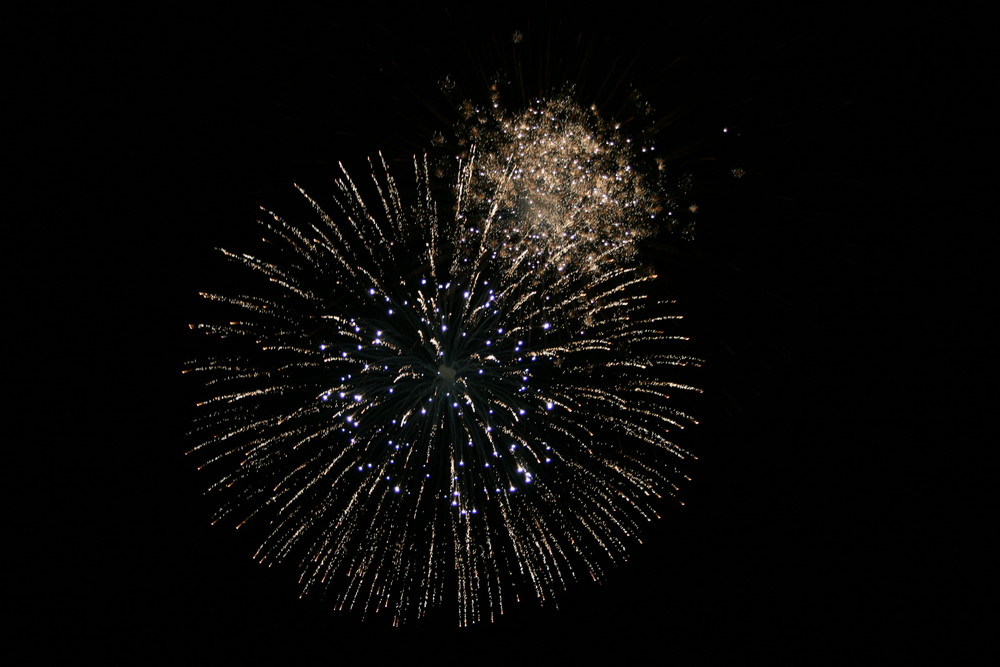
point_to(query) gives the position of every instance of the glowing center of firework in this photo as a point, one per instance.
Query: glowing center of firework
(447, 373)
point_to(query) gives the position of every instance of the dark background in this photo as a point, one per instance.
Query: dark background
(813, 287)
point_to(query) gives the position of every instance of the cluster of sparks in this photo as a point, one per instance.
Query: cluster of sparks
(559, 176)
(476, 405)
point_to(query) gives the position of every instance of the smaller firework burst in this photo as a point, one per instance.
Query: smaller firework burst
(562, 183)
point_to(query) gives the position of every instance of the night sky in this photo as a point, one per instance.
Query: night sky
(810, 525)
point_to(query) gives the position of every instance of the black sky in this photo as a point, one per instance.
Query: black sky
(800, 535)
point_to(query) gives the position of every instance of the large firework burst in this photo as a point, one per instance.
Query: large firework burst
(415, 414)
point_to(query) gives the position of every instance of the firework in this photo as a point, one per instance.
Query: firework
(565, 185)
(414, 414)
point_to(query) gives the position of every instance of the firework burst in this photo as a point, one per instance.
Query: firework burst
(415, 413)
(556, 176)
